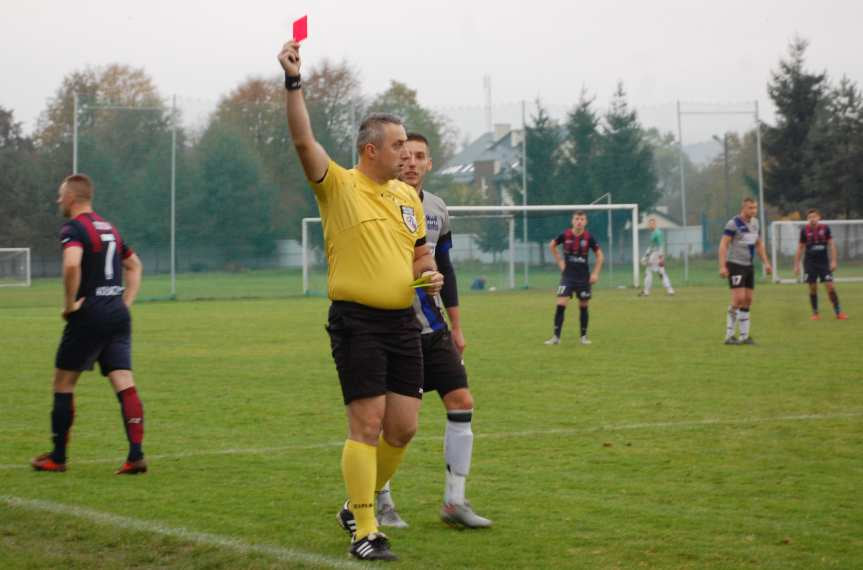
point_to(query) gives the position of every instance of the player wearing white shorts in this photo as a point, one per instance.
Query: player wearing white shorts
(654, 260)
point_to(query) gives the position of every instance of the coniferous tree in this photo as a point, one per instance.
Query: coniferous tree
(796, 93)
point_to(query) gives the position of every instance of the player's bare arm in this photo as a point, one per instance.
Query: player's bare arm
(312, 155)
(597, 268)
(834, 255)
(71, 279)
(424, 265)
(723, 256)
(797, 255)
(455, 327)
(762, 254)
(132, 270)
(552, 246)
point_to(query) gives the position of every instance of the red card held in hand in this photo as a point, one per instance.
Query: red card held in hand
(301, 29)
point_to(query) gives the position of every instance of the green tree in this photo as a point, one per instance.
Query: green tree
(237, 198)
(126, 151)
(401, 100)
(834, 152)
(625, 165)
(796, 93)
(28, 197)
(578, 157)
(543, 150)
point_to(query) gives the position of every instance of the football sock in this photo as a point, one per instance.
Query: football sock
(743, 320)
(457, 450)
(388, 460)
(62, 416)
(730, 321)
(813, 300)
(648, 281)
(666, 282)
(359, 469)
(583, 317)
(834, 298)
(133, 420)
(558, 320)
(384, 497)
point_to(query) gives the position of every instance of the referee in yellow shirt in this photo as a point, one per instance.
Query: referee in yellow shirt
(374, 235)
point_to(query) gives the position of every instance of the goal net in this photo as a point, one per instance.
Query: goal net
(847, 235)
(490, 252)
(14, 266)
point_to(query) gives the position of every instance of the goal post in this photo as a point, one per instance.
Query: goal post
(14, 266)
(474, 227)
(846, 234)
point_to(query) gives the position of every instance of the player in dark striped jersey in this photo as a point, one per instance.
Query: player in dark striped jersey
(576, 278)
(818, 265)
(96, 263)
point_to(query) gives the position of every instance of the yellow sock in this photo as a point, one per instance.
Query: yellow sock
(389, 459)
(359, 467)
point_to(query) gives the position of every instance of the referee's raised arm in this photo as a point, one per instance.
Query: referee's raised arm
(312, 155)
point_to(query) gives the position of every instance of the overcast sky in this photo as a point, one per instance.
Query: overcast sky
(663, 50)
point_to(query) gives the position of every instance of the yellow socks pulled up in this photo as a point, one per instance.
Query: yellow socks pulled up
(359, 469)
(389, 459)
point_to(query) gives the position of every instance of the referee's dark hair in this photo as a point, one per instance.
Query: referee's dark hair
(579, 213)
(371, 129)
(812, 211)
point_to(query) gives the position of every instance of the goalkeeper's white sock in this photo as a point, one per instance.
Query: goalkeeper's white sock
(666, 282)
(730, 321)
(648, 281)
(743, 321)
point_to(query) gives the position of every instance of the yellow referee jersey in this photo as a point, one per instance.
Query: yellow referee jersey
(370, 231)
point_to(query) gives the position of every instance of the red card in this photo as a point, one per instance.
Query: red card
(301, 29)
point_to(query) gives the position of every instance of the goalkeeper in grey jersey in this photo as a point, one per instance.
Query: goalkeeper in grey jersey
(654, 260)
(442, 346)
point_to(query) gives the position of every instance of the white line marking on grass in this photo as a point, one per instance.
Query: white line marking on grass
(486, 435)
(204, 538)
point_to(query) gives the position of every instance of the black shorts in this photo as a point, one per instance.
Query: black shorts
(814, 272)
(741, 276)
(443, 367)
(581, 291)
(97, 332)
(375, 350)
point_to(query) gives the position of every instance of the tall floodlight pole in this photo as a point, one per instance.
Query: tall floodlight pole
(524, 188)
(74, 133)
(174, 197)
(760, 182)
(682, 189)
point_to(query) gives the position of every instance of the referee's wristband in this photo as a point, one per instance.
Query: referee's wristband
(293, 82)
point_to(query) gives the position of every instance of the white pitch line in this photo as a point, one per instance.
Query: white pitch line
(487, 435)
(203, 538)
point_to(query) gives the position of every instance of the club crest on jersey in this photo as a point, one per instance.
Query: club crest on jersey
(410, 218)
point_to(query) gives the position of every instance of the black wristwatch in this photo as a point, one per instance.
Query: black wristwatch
(293, 82)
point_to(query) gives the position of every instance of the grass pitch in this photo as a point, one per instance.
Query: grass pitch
(655, 447)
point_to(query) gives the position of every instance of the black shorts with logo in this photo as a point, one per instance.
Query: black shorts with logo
(443, 366)
(815, 272)
(375, 350)
(579, 289)
(741, 276)
(101, 330)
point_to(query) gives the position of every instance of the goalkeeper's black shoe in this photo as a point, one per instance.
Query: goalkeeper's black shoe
(732, 340)
(747, 340)
(346, 520)
(375, 546)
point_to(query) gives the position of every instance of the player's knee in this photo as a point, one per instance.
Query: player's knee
(460, 399)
